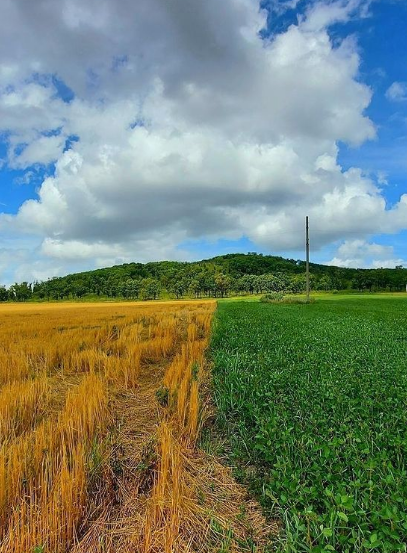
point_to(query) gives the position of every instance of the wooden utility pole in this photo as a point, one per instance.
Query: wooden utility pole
(307, 254)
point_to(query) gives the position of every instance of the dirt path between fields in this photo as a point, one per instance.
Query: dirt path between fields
(132, 467)
(218, 516)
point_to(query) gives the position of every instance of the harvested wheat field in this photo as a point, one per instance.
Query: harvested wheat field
(100, 410)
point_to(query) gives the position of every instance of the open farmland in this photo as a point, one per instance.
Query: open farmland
(313, 401)
(67, 374)
(100, 409)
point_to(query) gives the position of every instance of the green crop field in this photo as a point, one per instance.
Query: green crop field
(312, 400)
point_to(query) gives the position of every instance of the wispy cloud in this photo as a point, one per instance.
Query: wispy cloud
(397, 92)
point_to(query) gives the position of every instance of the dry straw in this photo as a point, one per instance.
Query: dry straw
(89, 459)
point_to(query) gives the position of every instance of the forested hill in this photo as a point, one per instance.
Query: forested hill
(219, 276)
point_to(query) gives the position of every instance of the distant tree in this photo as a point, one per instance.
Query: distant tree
(178, 287)
(131, 288)
(279, 282)
(195, 287)
(3, 293)
(20, 292)
(324, 283)
(78, 289)
(150, 289)
(297, 284)
(246, 284)
(223, 284)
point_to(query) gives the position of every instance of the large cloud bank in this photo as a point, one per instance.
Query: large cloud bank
(187, 124)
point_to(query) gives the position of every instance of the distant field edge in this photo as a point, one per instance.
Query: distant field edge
(93, 299)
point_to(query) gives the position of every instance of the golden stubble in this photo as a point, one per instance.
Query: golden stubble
(59, 366)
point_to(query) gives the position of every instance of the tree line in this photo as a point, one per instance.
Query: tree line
(218, 277)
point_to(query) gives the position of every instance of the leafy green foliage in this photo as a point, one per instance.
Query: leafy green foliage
(272, 297)
(240, 273)
(313, 401)
(162, 395)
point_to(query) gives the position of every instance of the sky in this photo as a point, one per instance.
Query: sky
(178, 129)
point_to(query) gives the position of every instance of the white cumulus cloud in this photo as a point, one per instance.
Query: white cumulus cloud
(189, 125)
(363, 254)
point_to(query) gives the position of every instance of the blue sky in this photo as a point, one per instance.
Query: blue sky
(382, 42)
(220, 160)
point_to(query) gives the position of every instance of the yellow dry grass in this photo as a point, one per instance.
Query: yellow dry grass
(92, 458)
(195, 504)
(60, 367)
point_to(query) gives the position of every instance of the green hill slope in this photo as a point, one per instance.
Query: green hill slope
(244, 273)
